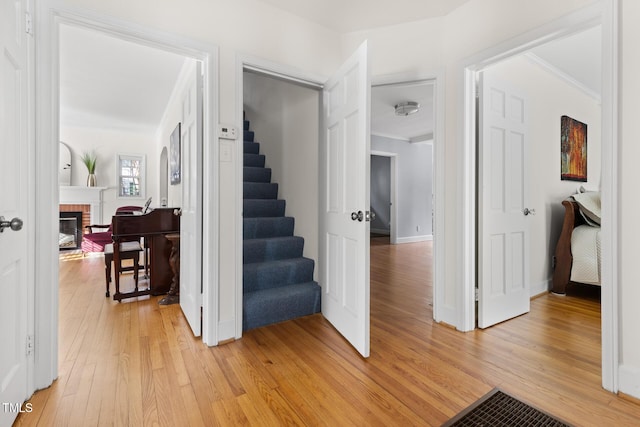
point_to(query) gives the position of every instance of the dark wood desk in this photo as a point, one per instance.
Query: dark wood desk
(153, 227)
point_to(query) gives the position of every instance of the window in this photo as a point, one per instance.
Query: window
(131, 175)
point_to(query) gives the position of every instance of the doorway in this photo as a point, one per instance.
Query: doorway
(572, 24)
(383, 195)
(48, 81)
(402, 183)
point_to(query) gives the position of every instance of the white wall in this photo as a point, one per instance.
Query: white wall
(172, 116)
(107, 143)
(549, 98)
(284, 117)
(414, 178)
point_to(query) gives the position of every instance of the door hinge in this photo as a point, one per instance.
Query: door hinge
(30, 345)
(28, 23)
(477, 294)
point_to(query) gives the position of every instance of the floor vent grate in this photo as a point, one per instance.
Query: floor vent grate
(497, 408)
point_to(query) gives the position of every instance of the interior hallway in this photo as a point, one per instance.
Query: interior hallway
(135, 363)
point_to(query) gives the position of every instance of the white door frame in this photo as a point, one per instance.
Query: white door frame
(604, 12)
(49, 16)
(393, 192)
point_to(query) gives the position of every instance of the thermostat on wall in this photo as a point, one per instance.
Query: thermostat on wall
(227, 132)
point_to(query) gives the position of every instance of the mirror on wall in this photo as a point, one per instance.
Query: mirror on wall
(64, 169)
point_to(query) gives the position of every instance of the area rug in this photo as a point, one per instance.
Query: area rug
(498, 409)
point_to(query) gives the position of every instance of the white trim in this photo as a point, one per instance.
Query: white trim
(78, 195)
(539, 288)
(281, 72)
(387, 135)
(562, 75)
(50, 15)
(629, 380)
(414, 239)
(610, 200)
(604, 12)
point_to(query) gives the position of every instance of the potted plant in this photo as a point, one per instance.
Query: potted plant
(89, 160)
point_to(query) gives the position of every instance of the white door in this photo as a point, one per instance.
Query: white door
(344, 204)
(191, 220)
(14, 169)
(503, 228)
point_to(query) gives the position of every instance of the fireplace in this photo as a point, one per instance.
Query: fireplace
(70, 236)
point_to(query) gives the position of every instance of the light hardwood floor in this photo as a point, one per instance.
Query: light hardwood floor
(135, 363)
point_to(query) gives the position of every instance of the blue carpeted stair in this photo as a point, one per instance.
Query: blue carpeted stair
(277, 280)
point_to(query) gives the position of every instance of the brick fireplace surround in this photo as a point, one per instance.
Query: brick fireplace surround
(87, 200)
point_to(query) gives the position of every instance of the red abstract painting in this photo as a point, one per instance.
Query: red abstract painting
(573, 150)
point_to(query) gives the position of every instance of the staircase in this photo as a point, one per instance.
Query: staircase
(277, 280)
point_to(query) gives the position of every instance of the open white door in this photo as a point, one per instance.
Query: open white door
(344, 204)
(503, 255)
(191, 220)
(14, 175)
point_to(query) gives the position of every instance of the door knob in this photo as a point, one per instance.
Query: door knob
(528, 211)
(15, 224)
(357, 216)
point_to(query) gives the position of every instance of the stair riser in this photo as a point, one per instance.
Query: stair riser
(259, 228)
(248, 135)
(261, 250)
(252, 174)
(267, 275)
(263, 208)
(251, 148)
(254, 160)
(280, 304)
(258, 190)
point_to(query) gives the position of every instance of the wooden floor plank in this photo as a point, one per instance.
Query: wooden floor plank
(136, 363)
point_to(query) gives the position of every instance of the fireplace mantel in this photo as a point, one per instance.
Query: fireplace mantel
(78, 195)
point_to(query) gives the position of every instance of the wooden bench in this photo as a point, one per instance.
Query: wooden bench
(128, 250)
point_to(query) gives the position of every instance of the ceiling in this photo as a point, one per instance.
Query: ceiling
(348, 16)
(417, 127)
(110, 83)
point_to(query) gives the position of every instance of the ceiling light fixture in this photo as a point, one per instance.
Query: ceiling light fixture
(406, 108)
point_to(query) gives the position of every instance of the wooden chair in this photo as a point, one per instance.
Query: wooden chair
(128, 250)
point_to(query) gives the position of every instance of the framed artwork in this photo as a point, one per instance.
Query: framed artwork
(573, 150)
(174, 156)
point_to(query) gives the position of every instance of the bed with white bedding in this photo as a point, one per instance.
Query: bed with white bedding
(577, 256)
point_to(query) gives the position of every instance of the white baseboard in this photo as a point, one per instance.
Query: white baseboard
(629, 380)
(414, 239)
(226, 330)
(540, 288)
